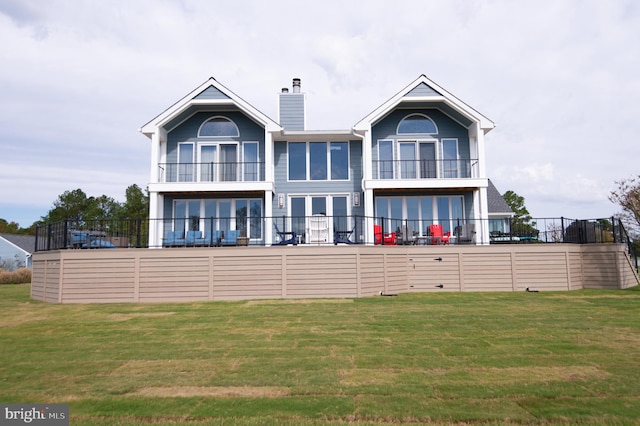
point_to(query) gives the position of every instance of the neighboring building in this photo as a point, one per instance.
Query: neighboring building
(500, 214)
(217, 163)
(15, 250)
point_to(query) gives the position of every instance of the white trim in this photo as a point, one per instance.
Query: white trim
(446, 97)
(187, 101)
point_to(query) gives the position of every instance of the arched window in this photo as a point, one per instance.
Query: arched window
(417, 123)
(218, 127)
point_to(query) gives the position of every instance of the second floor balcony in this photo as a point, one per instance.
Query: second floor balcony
(425, 169)
(211, 172)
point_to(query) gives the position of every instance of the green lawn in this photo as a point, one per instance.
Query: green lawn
(449, 358)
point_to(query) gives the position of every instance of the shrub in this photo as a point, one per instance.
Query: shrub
(20, 276)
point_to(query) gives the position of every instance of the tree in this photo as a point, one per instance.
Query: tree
(516, 202)
(627, 196)
(136, 205)
(8, 227)
(70, 205)
(76, 206)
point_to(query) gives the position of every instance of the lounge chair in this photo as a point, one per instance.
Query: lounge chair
(174, 239)
(465, 234)
(318, 229)
(405, 235)
(286, 237)
(230, 238)
(389, 238)
(437, 236)
(211, 239)
(343, 237)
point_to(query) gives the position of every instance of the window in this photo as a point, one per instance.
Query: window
(228, 162)
(208, 163)
(420, 211)
(318, 160)
(450, 158)
(417, 123)
(219, 214)
(297, 160)
(339, 160)
(251, 169)
(385, 159)
(218, 127)
(407, 160)
(428, 165)
(185, 162)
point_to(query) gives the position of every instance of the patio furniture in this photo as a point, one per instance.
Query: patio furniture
(192, 237)
(406, 235)
(230, 238)
(174, 239)
(343, 237)
(465, 234)
(389, 238)
(318, 229)
(286, 238)
(210, 239)
(437, 234)
(98, 243)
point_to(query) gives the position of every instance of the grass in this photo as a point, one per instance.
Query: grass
(454, 358)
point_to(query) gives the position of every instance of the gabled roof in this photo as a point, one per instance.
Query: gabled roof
(495, 201)
(424, 92)
(208, 94)
(26, 243)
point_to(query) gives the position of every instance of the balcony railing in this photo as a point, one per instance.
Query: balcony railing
(425, 169)
(211, 172)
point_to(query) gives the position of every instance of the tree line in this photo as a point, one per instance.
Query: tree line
(76, 205)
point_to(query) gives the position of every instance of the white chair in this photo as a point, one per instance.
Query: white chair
(318, 229)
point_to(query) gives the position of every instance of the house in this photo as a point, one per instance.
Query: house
(500, 214)
(219, 167)
(15, 251)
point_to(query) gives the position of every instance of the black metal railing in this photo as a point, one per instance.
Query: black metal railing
(425, 169)
(236, 171)
(196, 231)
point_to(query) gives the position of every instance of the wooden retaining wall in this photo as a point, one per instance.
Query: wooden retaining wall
(237, 273)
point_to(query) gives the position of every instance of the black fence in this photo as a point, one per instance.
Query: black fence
(320, 229)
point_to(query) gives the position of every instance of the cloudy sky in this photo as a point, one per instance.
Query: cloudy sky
(561, 80)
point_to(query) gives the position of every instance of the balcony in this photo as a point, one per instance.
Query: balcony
(211, 172)
(425, 169)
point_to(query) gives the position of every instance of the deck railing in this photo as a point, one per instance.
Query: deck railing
(196, 231)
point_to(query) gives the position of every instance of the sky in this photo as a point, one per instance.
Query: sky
(561, 80)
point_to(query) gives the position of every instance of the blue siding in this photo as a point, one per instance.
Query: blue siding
(423, 90)
(211, 93)
(292, 111)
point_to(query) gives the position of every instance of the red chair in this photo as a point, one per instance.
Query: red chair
(390, 238)
(437, 236)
